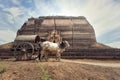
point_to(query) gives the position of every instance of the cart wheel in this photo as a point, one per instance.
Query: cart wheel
(24, 51)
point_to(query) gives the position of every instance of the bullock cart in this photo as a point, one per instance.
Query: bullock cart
(26, 47)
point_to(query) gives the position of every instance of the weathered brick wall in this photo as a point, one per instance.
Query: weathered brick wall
(92, 53)
(73, 29)
(77, 53)
(6, 53)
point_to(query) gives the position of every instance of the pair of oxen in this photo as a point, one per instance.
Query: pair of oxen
(54, 45)
(48, 47)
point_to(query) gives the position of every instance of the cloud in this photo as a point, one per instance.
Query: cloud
(111, 36)
(16, 2)
(7, 36)
(1, 5)
(14, 16)
(70, 7)
(114, 44)
(46, 7)
(2, 42)
(14, 11)
(104, 15)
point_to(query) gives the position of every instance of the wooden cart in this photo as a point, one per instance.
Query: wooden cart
(26, 47)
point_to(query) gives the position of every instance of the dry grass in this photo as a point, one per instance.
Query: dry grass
(31, 70)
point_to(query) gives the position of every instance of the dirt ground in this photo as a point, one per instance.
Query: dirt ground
(80, 69)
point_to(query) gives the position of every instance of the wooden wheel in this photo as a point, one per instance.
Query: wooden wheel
(24, 51)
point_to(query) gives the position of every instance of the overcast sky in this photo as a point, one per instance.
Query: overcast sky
(103, 15)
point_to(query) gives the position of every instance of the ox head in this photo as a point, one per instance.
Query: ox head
(64, 44)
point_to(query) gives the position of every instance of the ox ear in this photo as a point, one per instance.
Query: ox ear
(67, 43)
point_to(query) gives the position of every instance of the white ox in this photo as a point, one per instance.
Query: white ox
(53, 48)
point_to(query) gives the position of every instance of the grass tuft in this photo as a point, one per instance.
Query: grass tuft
(44, 74)
(2, 69)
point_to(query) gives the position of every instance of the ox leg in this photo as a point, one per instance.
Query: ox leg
(46, 56)
(58, 56)
(41, 56)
